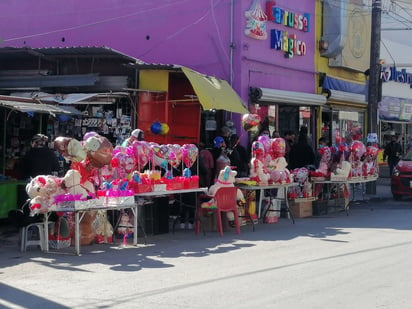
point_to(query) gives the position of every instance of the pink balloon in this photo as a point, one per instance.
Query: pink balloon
(141, 153)
(265, 140)
(174, 157)
(190, 152)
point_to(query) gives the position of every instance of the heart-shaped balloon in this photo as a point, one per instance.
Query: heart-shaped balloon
(277, 147)
(160, 155)
(141, 152)
(189, 154)
(176, 155)
(265, 140)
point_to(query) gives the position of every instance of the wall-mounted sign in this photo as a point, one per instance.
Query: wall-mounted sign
(287, 18)
(256, 22)
(256, 27)
(391, 74)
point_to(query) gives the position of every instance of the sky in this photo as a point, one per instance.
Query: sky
(396, 32)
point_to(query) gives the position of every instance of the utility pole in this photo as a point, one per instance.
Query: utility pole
(374, 77)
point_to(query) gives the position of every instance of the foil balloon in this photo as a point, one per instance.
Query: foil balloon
(277, 147)
(190, 153)
(258, 150)
(141, 152)
(250, 121)
(358, 149)
(160, 155)
(70, 148)
(99, 151)
(372, 151)
(265, 140)
(175, 157)
(123, 163)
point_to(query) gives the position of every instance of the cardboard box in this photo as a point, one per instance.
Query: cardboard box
(300, 209)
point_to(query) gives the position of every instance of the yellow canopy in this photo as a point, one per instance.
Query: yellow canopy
(215, 93)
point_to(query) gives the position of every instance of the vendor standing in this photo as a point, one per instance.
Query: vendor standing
(137, 135)
(40, 159)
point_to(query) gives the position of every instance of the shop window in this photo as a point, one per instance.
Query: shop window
(348, 125)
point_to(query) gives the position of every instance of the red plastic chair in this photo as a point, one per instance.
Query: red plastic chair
(225, 199)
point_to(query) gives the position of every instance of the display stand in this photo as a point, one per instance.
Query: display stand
(262, 188)
(78, 216)
(338, 185)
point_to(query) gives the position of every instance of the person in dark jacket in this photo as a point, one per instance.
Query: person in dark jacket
(40, 159)
(238, 156)
(392, 152)
(301, 153)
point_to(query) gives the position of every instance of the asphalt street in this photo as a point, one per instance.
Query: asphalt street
(359, 260)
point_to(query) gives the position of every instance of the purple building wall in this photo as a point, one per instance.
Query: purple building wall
(193, 33)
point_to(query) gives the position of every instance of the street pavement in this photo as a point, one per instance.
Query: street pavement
(355, 260)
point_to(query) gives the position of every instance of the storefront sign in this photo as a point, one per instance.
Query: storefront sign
(281, 40)
(287, 18)
(256, 27)
(391, 74)
(397, 109)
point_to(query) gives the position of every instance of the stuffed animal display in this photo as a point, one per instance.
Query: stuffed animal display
(71, 182)
(41, 190)
(226, 179)
(258, 170)
(102, 227)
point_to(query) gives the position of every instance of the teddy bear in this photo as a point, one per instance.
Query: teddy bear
(226, 178)
(70, 148)
(102, 227)
(72, 184)
(341, 173)
(41, 190)
(301, 176)
(279, 173)
(87, 233)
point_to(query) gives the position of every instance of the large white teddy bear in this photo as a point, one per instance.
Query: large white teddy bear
(342, 172)
(72, 184)
(226, 178)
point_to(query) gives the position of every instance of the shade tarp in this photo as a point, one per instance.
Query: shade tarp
(73, 98)
(27, 107)
(215, 93)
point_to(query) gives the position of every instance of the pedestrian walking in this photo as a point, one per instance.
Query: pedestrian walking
(392, 153)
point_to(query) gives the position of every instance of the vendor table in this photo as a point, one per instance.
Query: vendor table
(78, 216)
(348, 183)
(262, 189)
(172, 192)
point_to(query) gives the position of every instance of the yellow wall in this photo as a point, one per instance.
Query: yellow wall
(321, 63)
(154, 80)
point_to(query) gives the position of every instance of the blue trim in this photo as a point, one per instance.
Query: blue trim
(342, 85)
